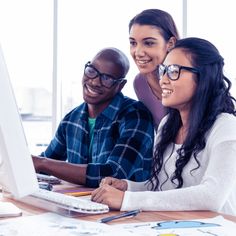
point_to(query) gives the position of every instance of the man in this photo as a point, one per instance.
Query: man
(108, 135)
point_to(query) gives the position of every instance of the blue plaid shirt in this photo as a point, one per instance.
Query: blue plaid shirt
(122, 142)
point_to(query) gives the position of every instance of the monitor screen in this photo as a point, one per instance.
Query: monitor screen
(17, 173)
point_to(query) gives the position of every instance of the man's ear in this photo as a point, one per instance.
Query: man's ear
(171, 43)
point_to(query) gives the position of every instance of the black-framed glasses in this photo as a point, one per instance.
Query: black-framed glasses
(173, 71)
(106, 80)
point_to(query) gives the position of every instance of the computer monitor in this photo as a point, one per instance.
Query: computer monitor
(17, 174)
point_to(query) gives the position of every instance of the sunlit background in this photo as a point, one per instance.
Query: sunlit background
(47, 42)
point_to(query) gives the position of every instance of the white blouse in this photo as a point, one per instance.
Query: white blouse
(210, 187)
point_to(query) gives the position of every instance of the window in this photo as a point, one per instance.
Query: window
(26, 38)
(85, 27)
(214, 21)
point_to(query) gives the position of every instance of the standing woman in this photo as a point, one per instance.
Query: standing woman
(152, 33)
(195, 152)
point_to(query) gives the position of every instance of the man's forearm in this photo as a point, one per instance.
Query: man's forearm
(74, 173)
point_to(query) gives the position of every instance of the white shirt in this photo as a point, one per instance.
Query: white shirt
(210, 187)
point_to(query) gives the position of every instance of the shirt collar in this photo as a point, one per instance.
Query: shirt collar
(111, 111)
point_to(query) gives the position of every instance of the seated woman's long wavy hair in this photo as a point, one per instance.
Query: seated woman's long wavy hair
(211, 98)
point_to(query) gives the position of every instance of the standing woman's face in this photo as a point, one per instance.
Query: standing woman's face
(147, 47)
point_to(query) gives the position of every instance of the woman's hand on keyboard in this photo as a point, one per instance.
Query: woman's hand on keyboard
(116, 183)
(108, 195)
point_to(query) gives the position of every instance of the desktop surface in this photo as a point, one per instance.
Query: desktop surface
(141, 217)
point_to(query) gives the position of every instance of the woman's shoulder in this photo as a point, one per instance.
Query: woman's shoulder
(224, 128)
(139, 82)
(160, 126)
(146, 96)
(163, 121)
(225, 119)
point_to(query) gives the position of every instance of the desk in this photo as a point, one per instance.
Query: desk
(142, 217)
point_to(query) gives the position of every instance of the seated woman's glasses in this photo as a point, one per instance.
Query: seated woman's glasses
(106, 80)
(173, 71)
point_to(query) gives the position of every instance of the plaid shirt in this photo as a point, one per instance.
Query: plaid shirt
(122, 142)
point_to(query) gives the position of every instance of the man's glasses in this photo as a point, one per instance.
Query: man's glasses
(173, 71)
(106, 80)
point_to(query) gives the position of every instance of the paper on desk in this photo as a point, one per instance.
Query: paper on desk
(50, 224)
(8, 209)
(217, 226)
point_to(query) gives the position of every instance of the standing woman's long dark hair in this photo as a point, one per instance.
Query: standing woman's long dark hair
(211, 98)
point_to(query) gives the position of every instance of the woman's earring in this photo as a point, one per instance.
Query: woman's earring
(169, 48)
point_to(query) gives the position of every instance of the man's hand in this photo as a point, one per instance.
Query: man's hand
(37, 162)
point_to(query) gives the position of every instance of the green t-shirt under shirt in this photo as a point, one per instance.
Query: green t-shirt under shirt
(91, 123)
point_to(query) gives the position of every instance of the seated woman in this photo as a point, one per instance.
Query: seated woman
(194, 164)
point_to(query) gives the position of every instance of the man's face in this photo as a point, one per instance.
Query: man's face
(94, 92)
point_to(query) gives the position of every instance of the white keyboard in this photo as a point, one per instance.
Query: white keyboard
(76, 204)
